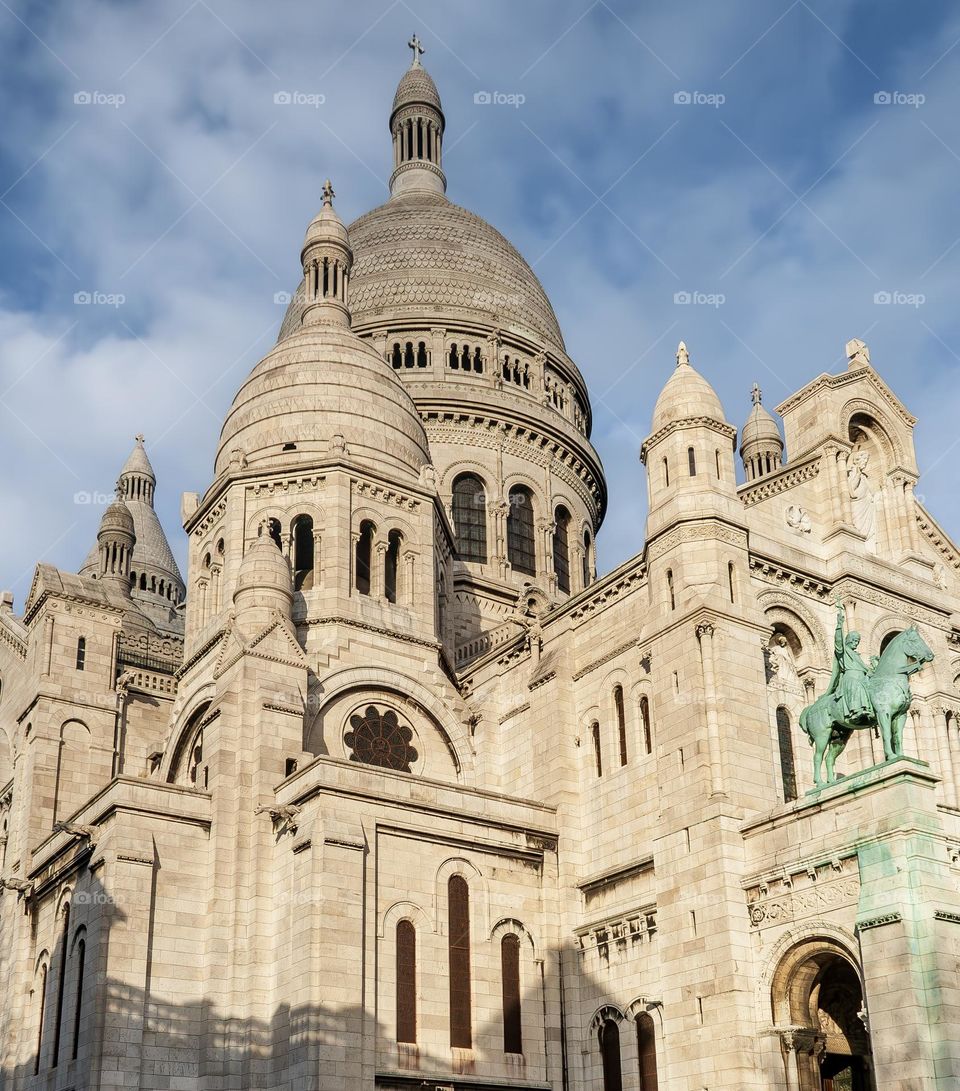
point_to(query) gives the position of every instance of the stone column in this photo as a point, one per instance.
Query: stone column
(317, 565)
(941, 726)
(910, 514)
(836, 467)
(788, 1039)
(547, 528)
(377, 563)
(499, 512)
(953, 749)
(705, 638)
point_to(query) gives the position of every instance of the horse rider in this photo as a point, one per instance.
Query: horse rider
(849, 678)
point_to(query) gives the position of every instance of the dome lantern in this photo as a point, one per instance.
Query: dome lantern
(115, 541)
(327, 259)
(761, 446)
(416, 125)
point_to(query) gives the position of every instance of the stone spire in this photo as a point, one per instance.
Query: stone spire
(416, 125)
(327, 259)
(761, 446)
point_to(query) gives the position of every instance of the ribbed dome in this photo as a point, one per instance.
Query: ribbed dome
(419, 253)
(319, 390)
(416, 86)
(326, 226)
(761, 427)
(116, 520)
(686, 395)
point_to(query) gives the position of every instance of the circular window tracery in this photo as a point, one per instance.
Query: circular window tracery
(377, 737)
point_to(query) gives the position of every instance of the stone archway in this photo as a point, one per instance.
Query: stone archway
(818, 1008)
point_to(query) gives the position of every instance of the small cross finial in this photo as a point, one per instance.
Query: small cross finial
(328, 194)
(139, 438)
(417, 47)
(683, 357)
(756, 394)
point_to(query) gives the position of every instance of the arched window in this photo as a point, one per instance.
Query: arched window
(692, 461)
(666, 474)
(586, 558)
(561, 548)
(80, 955)
(788, 772)
(886, 640)
(143, 581)
(406, 982)
(42, 987)
(396, 358)
(458, 909)
(81, 653)
(421, 354)
(391, 565)
(454, 358)
(610, 1056)
(363, 554)
(645, 724)
(670, 590)
(521, 546)
(470, 518)
(647, 1052)
(408, 354)
(717, 453)
(61, 984)
(302, 553)
(510, 984)
(621, 722)
(731, 580)
(597, 750)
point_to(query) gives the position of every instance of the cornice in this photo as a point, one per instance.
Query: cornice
(791, 475)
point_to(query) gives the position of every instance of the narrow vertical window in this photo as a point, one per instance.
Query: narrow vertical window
(510, 982)
(81, 653)
(621, 722)
(61, 984)
(81, 953)
(458, 908)
(610, 1056)
(731, 578)
(586, 558)
(470, 518)
(666, 474)
(692, 461)
(597, 752)
(364, 550)
(406, 982)
(670, 590)
(561, 548)
(788, 772)
(43, 1014)
(645, 724)
(302, 553)
(391, 565)
(717, 453)
(647, 1052)
(521, 544)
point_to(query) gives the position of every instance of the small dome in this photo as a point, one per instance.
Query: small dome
(416, 87)
(324, 391)
(264, 568)
(686, 395)
(116, 520)
(326, 226)
(761, 428)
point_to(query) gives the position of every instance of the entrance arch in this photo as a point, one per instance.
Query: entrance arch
(818, 1009)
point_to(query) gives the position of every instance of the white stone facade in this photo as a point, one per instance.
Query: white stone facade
(394, 792)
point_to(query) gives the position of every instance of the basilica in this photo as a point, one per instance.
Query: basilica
(393, 790)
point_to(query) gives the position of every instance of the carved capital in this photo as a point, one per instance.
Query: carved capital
(705, 629)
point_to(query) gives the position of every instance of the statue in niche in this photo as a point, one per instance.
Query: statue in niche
(862, 493)
(782, 663)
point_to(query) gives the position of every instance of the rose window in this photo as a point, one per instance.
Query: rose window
(379, 738)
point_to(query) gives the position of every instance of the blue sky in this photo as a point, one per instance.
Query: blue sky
(782, 195)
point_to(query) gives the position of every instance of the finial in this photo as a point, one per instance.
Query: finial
(328, 194)
(683, 357)
(139, 438)
(418, 50)
(858, 354)
(756, 394)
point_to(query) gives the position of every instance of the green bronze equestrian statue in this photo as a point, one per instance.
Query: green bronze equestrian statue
(861, 696)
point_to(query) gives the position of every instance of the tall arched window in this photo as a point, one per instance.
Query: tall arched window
(597, 750)
(81, 653)
(80, 955)
(391, 565)
(363, 557)
(302, 553)
(406, 982)
(561, 548)
(610, 1055)
(647, 1052)
(731, 580)
(670, 590)
(692, 461)
(666, 474)
(521, 545)
(42, 988)
(645, 724)
(586, 558)
(510, 982)
(621, 722)
(458, 909)
(273, 531)
(470, 518)
(717, 456)
(788, 771)
(61, 984)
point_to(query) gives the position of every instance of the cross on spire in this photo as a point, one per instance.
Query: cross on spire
(683, 357)
(328, 194)
(756, 395)
(417, 47)
(139, 438)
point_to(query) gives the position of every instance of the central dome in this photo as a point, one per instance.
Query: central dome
(419, 254)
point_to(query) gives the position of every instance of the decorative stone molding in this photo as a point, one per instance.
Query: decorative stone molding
(804, 890)
(619, 932)
(878, 921)
(626, 646)
(702, 530)
(787, 478)
(780, 575)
